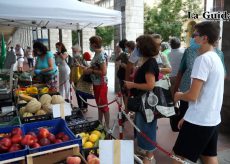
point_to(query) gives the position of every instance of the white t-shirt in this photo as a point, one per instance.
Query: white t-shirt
(205, 111)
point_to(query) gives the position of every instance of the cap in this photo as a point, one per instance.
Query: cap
(87, 56)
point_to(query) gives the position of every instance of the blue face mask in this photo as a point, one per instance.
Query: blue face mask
(126, 50)
(136, 52)
(57, 49)
(193, 44)
(91, 49)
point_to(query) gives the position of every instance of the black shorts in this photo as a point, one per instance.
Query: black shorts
(194, 141)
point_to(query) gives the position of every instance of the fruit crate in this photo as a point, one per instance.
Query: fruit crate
(85, 126)
(7, 117)
(76, 118)
(54, 126)
(11, 155)
(34, 118)
(13, 122)
(64, 161)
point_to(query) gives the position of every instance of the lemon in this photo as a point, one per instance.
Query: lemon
(98, 133)
(88, 144)
(82, 134)
(93, 138)
(84, 139)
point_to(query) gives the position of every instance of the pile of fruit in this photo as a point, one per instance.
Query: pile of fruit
(11, 142)
(32, 90)
(91, 159)
(15, 140)
(41, 107)
(90, 140)
(43, 138)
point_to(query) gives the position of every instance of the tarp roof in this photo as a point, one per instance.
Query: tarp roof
(62, 14)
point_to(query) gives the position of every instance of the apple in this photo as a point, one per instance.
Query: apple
(32, 134)
(43, 132)
(28, 140)
(91, 156)
(35, 145)
(94, 161)
(8, 135)
(51, 137)
(5, 143)
(73, 160)
(16, 139)
(65, 138)
(60, 135)
(16, 131)
(15, 147)
(57, 141)
(44, 142)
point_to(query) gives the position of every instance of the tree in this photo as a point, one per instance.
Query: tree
(168, 17)
(106, 33)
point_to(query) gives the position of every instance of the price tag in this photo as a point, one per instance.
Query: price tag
(61, 110)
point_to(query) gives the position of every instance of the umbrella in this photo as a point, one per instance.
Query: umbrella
(3, 52)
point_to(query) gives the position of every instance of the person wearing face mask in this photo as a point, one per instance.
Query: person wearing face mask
(45, 67)
(205, 97)
(64, 70)
(76, 73)
(98, 75)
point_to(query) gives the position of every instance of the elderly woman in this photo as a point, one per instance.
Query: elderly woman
(75, 76)
(64, 70)
(146, 76)
(45, 67)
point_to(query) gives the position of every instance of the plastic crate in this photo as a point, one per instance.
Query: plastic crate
(76, 117)
(84, 127)
(54, 126)
(33, 118)
(15, 121)
(20, 153)
(7, 117)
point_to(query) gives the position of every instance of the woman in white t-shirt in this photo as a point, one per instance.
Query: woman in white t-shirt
(199, 128)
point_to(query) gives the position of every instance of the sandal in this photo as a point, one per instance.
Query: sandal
(84, 110)
(151, 160)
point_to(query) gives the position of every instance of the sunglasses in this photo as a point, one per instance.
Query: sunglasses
(196, 34)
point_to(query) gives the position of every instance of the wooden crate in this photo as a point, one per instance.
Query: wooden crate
(54, 155)
(20, 160)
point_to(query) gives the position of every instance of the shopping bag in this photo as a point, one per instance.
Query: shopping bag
(84, 87)
(76, 73)
(154, 104)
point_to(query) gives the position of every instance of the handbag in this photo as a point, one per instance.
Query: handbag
(154, 104)
(87, 78)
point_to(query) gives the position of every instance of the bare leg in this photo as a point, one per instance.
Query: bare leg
(209, 159)
(175, 161)
(100, 115)
(107, 119)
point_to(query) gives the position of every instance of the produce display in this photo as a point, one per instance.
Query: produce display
(31, 90)
(43, 138)
(41, 107)
(11, 142)
(90, 140)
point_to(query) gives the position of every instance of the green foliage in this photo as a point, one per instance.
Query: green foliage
(106, 33)
(167, 18)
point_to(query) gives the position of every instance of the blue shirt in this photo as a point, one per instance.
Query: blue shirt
(44, 63)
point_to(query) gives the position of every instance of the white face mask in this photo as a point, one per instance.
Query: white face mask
(76, 55)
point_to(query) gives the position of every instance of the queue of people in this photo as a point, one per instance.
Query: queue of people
(195, 73)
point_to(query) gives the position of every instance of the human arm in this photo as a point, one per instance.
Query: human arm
(149, 85)
(192, 94)
(50, 63)
(64, 55)
(167, 67)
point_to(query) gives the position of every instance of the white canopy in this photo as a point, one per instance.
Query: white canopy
(62, 14)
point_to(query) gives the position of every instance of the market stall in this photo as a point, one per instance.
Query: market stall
(39, 125)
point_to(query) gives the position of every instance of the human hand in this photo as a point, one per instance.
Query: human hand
(129, 84)
(177, 96)
(180, 123)
(37, 71)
